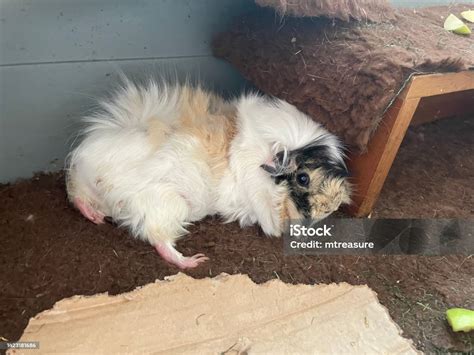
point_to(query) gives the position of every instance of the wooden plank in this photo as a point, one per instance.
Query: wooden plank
(438, 84)
(370, 170)
(442, 106)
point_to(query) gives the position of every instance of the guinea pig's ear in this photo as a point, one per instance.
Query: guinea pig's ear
(270, 167)
(280, 164)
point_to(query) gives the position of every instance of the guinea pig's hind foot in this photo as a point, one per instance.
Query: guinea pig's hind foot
(171, 255)
(87, 211)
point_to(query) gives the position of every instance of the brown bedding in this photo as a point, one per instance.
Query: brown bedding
(368, 10)
(343, 74)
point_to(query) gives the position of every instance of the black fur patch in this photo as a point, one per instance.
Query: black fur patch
(319, 156)
(301, 199)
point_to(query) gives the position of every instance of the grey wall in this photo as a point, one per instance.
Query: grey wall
(56, 56)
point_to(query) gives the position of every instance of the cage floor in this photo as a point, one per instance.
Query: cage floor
(50, 252)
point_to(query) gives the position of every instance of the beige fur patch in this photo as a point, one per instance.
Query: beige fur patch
(332, 193)
(204, 116)
(288, 211)
(208, 118)
(158, 132)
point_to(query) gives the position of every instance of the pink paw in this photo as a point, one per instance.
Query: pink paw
(171, 255)
(192, 261)
(88, 212)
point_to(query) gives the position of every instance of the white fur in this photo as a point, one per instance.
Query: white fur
(156, 193)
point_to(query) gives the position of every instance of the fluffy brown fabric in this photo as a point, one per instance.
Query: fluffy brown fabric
(368, 10)
(344, 75)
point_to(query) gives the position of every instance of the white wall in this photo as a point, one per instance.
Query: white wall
(57, 55)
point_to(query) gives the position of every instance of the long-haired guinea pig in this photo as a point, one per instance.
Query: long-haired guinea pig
(158, 157)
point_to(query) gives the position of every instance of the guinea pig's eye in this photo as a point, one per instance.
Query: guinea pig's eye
(302, 179)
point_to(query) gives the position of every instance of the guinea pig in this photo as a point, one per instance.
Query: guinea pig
(158, 157)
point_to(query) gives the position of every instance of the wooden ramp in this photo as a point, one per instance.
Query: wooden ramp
(425, 98)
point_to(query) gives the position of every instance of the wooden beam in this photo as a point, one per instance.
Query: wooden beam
(370, 170)
(439, 84)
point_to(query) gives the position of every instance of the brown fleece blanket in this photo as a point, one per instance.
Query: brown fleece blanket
(369, 10)
(344, 74)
